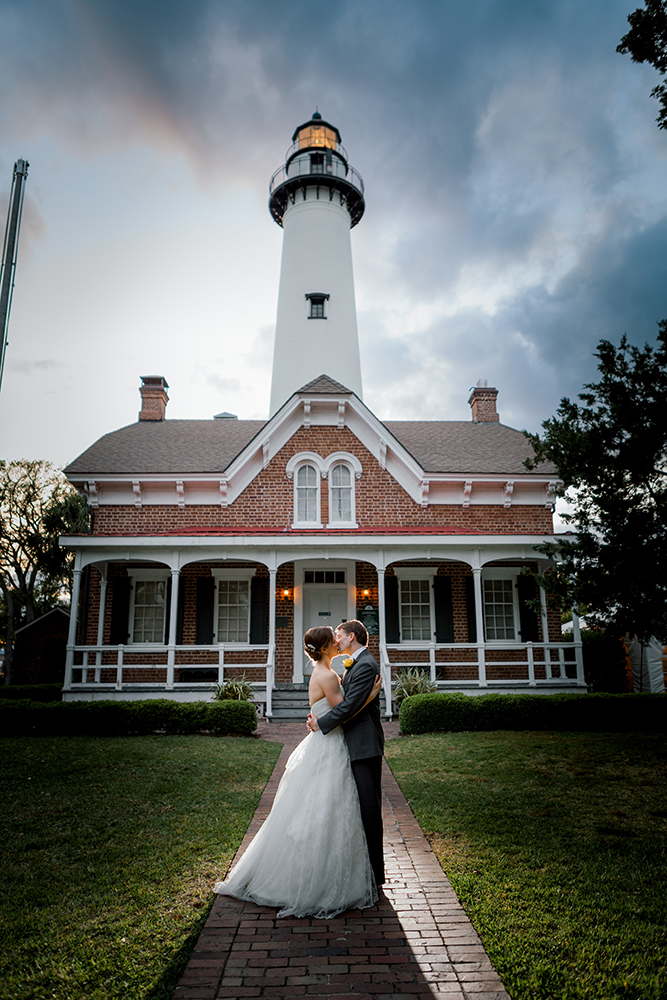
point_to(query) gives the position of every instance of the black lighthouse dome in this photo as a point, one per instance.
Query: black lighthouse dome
(318, 159)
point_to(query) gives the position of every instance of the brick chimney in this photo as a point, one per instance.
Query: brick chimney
(154, 397)
(483, 403)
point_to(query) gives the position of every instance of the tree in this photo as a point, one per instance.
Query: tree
(37, 504)
(647, 42)
(611, 454)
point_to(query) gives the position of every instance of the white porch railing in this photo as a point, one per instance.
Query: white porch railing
(551, 657)
(101, 658)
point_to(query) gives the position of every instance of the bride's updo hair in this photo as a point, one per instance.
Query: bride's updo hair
(316, 640)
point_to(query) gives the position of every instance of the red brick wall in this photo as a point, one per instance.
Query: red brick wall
(267, 501)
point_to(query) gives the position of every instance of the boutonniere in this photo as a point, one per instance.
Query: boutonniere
(348, 662)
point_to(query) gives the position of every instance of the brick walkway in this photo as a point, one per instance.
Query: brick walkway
(416, 942)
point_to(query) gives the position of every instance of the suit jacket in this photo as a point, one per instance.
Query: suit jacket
(363, 729)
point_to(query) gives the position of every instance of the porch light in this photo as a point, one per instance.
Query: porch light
(285, 594)
(365, 593)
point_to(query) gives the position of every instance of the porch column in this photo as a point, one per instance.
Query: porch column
(271, 661)
(173, 614)
(73, 615)
(381, 620)
(578, 653)
(545, 634)
(479, 619)
(100, 622)
(385, 666)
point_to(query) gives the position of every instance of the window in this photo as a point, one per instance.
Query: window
(324, 576)
(148, 605)
(317, 300)
(340, 495)
(307, 495)
(233, 610)
(499, 618)
(233, 590)
(415, 610)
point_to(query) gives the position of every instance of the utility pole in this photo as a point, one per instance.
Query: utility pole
(10, 253)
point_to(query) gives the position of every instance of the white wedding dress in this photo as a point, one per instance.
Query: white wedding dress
(310, 857)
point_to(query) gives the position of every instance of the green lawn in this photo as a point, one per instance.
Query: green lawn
(556, 844)
(110, 851)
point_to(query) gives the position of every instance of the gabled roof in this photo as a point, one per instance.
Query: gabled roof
(35, 621)
(464, 446)
(155, 446)
(324, 384)
(211, 447)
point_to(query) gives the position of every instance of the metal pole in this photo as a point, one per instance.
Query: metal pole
(10, 253)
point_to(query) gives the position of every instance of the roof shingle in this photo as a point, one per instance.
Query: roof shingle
(209, 446)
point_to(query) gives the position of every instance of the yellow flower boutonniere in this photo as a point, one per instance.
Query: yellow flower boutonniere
(348, 662)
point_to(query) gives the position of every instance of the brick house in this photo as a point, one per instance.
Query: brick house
(216, 543)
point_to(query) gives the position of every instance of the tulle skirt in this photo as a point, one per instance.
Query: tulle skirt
(310, 857)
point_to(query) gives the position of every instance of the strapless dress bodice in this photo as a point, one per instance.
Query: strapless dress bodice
(320, 707)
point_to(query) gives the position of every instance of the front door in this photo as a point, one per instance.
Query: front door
(322, 605)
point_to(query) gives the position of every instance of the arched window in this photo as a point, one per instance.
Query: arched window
(340, 494)
(307, 495)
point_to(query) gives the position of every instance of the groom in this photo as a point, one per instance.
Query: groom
(363, 733)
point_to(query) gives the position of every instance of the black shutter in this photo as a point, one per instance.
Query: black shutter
(527, 617)
(470, 609)
(444, 611)
(259, 609)
(120, 610)
(180, 612)
(167, 610)
(205, 593)
(391, 608)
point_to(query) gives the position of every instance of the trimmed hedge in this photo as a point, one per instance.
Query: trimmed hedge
(437, 713)
(35, 692)
(124, 718)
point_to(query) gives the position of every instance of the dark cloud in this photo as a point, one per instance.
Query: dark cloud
(501, 143)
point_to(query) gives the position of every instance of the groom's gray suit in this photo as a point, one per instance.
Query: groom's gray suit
(365, 742)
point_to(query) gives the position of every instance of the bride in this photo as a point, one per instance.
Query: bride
(310, 856)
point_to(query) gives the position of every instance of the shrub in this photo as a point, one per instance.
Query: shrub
(411, 680)
(36, 692)
(123, 718)
(604, 661)
(432, 713)
(235, 689)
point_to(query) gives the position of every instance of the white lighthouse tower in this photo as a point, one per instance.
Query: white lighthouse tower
(317, 197)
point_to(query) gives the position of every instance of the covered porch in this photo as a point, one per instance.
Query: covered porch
(451, 605)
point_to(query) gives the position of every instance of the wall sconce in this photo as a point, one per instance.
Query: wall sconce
(284, 593)
(365, 593)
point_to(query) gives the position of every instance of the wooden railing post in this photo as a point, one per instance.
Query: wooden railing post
(71, 637)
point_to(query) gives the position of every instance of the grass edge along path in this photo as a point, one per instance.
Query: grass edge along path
(111, 847)
(555, 844)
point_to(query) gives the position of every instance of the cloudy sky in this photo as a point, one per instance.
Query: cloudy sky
(515, 182)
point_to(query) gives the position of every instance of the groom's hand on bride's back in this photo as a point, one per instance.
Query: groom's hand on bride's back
(311, 723)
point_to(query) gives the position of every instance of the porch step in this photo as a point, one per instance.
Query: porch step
(289, 703)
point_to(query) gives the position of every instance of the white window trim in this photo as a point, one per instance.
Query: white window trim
(293, 466)
(355, 467)
(416, 573)
(244, 573)
(146, 574)
(503, 574)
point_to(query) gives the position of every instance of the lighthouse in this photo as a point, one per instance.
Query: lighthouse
(317, 198)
